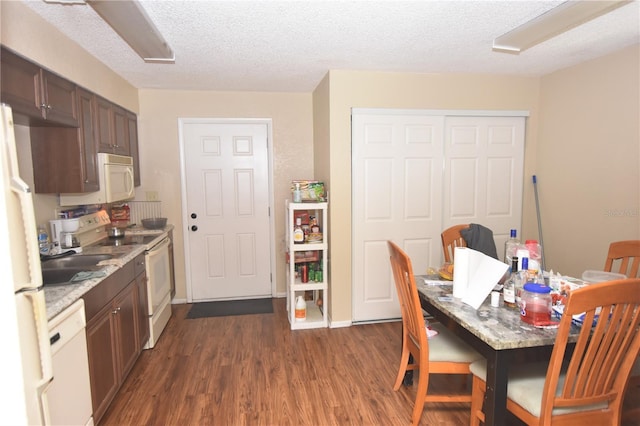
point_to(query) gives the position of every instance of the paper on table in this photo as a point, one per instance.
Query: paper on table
(465, 262)
(483, 274)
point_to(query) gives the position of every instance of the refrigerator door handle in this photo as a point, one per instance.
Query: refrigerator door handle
(38, 304)
(26, 202)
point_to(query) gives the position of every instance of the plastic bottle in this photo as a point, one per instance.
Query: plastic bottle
(522, 278)
(298, 233)
(509, 290)
(535, 254)
(511, 247)
(43, 240)
(297, 194)
(301, 309)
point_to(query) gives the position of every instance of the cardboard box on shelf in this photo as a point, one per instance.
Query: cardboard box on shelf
(312, 190)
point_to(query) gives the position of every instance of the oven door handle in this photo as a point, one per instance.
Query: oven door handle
(160, 246)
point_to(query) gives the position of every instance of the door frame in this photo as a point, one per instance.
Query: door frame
(183, 186)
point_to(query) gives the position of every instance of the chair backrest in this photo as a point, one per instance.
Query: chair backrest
(628, 253)
(601, 362)
(412, 318)
(451, 239)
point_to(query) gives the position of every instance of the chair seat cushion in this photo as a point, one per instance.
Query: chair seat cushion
(446, 346)
(525, 386)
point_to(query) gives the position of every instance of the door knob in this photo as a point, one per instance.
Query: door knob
(194, 228)
(193, 215)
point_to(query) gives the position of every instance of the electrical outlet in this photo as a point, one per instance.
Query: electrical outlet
(151, 195)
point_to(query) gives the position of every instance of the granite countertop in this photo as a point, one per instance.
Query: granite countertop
(59, 297)
(501, 327)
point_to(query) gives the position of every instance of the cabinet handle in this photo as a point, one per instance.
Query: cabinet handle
(114, 312)
(86, 181)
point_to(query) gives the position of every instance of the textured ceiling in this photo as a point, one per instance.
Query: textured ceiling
(288, 46)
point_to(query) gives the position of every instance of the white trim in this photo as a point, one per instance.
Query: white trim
(447, 112)
(339, 324)
(183, 184)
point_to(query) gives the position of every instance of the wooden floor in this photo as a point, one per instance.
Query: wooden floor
(252, 370)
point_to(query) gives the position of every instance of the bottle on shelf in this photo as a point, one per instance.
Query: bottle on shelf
(301, 309)
(511, 247)
(297, 194)
(298, 233)
(509, 290)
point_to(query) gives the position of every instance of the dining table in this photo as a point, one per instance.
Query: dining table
(497, 333)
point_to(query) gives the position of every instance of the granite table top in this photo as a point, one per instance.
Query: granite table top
(59, 297)
(499, 327)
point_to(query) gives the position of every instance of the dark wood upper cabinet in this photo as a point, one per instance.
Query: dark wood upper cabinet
(42, 97)
(120, 131)
(69, 126)
(64, 158)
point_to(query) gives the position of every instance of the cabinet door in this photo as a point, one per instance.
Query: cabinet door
(128, 350)
(104, 129)
(88, 145)
(132, 126)
(120, 131)
(20, 84)
(142, 310)
(103, 366)
(60, 99)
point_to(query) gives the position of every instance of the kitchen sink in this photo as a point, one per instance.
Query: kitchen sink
(63, 275)
(60, 270)
(75, 261)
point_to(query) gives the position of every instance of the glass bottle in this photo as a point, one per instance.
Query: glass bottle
(510, 247)
(298, 233)
(522, 278)
(509, 290)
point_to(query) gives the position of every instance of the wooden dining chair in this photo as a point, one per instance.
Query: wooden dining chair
(444, 353)
(627, 253)
(451, 238)
(585, 386)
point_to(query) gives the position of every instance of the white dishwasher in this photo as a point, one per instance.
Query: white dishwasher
(67, 400)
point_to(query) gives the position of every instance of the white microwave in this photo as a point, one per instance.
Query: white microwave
(115, 174)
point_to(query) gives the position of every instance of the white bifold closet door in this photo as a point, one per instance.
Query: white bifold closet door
(416, 173)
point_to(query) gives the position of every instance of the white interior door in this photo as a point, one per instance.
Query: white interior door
(226, 172)
(484, 167)
(415, 174)
(397, 188)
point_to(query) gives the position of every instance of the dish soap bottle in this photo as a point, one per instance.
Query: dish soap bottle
(297, 194)
(301, 309)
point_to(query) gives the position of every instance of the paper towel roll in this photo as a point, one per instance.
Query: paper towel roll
(460, 271)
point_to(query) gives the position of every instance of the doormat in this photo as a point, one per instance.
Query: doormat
(230, 307)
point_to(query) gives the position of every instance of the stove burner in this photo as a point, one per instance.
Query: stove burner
(127, 240)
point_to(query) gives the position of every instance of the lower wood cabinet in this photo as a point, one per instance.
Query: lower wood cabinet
(115, 332)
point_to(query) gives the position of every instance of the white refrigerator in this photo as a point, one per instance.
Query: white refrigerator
(26, 367)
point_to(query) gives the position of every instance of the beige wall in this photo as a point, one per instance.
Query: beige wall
(160, 152)
(588, 160)
(352, 89)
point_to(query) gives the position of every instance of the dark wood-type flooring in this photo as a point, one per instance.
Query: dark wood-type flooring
(253, 370)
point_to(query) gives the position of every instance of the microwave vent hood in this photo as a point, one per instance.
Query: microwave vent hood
(115, 176)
